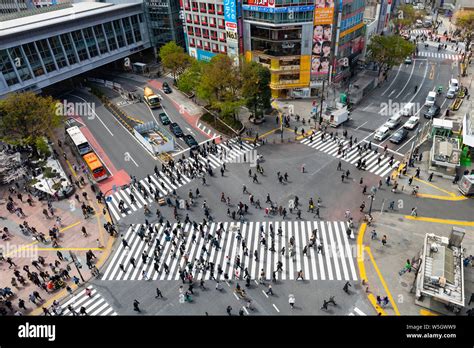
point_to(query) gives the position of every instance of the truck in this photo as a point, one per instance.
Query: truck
(336, 117)
(152, 100)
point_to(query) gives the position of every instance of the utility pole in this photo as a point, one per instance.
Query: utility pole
(74, 260)
(321, 105)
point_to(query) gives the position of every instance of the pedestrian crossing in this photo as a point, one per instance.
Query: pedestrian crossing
(207, 130)
(351, 154)
(440, 55)
(94, 305)
(231, 151)
(416, 32)
(336, 261)
(357, 312)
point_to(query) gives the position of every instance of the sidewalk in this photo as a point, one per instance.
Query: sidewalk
(23, 250)
(405, 238)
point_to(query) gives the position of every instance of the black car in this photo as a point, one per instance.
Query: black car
(190, 141)
(399, 136)
(176, 130)
(166, 88)
(164, 119)
(433, 111)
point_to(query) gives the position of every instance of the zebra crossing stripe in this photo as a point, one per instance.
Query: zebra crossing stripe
(326, 250)
(358, 311)
(94, 305)
(320, 257)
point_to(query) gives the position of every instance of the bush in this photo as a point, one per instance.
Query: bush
(219, 126)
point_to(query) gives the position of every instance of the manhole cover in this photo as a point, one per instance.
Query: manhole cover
(404, 284)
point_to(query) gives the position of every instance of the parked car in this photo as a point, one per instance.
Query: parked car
(431, 98)
(408, 60)
(411, 123)
(190, 141)
(399, 136)
(381, 133)
(176, 130)
(164, 119)
(393, 121)
(166, 88)
(451, 93)
(432, 112)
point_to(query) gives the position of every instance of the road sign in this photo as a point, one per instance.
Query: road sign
(108, 199)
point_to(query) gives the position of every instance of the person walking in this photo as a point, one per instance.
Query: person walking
(291, 301)
(270, 290)
(384, 240)
(229, 310)
(135, 306)
(300, 275)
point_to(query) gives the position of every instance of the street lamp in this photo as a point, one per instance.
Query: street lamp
(373, 191)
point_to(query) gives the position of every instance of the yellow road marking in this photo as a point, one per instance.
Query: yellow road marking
(74, 174)
(387, 291)
(21, 248)
(436, 187)
(442, 198)
(440, 221)
(70, 226)
(427, 312)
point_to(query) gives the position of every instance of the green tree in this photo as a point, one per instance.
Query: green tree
(465, 22)
(388, 51)
(190, 78)
(256, 87)
(174, 58)
(26, 118)
(220, 81)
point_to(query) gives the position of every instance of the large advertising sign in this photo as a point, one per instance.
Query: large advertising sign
(322, 37)
(265, 3)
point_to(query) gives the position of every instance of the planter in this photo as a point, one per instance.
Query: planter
(456, 104)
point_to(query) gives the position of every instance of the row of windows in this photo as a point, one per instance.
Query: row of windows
(203, 7)
(291, 17)
(207, 45)
(44, 56)
(352, 6)
(351, 21)
(205, 20)
(349, 37)
(207, 34)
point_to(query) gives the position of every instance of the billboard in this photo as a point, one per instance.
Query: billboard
(322, 37)
(264, 3)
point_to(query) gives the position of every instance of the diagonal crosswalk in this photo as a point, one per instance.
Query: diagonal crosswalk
(231, 151)
(94, 305)
(336, 261)
(352, 155)
(440, 55)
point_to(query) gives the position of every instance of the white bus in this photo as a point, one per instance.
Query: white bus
(79, 140)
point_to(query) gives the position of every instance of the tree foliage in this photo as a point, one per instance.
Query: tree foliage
(26, 118)
(465, 22)
(388, 51)
(174, 59)
(256, 87)
(190, 78)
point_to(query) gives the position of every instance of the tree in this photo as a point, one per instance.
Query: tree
(465, 22)
(27, 118)
(256, 87)
(189, 79)
(174, 58)
(408, 17)
(388, 51)
(220, 81)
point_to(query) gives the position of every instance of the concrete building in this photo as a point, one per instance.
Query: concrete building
(211, 27)
(164, 22)
(15, 6)
(278, 34)
(42, 49)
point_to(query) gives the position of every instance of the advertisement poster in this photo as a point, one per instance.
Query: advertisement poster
(322, 37)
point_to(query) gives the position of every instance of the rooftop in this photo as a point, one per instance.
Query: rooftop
(60, 16)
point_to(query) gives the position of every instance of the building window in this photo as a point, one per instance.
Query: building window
(119, 33)
(69, 48)
(7, 69)
(46, 55)
(211, 8)
(220, 9)
(99, 34)
(136, 29)
(80, 45)
(17, 56)
(128, 30)
(57, 51)
(90, 42)
(109, 33)
(34, 59)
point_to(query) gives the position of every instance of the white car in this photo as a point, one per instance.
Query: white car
(451, 93)
(381, 133)
(453, 83)
(411, 123)
(431, 98)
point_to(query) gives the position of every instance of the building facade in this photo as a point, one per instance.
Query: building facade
(15, 6)
(40, 50)
(210, 28)
(164, 22)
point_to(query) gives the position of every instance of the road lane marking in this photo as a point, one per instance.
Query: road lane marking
(392, 92)
(440, 221)
(236, 297)
(130, 156)
(276, 308)
(95, 114)
(436, 187)
(245, 310)
(265, 293)
(408, 81)
(398, 72)
(362, 124)
(368, 106)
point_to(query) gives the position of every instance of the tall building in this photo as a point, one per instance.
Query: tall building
(277, 34)
(164, 22)
(42, 49)
(15, 6)
(211, 27)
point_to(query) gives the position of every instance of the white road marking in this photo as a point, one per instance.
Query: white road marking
(95, 114)
(361, 125)
(276, 308)
(408, 80)
(398, 72)
(368, 106)
(265, 293)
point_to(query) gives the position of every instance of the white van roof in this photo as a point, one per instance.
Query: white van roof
(432, 94)
(382, 129)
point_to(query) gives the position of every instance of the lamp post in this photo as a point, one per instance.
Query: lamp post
(373, 191)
